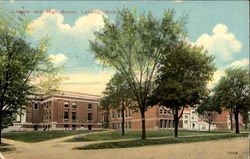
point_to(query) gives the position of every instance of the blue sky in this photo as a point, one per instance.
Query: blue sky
(221, 27)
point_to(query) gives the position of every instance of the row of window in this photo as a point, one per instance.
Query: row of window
(169, 123)
(74, 105)
(164, 111)
(73, 116)
(66, 105)
(127, 113)
(37, 105)
(127, 125)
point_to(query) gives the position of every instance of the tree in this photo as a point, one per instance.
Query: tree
(182, 78)
(233, 91)
(133, 46)
(209, 110)
(118, 95)
(19, 62)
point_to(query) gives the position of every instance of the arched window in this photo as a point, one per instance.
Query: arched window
(66, 104)
(36, 106)
(74, 106)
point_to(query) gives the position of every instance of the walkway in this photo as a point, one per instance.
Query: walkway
(236, 148)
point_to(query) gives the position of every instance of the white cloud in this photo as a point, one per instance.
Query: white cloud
(178, 0)
(217, 75)
(240, 63)
(221, 43)
(57, 59)
(52, 24)
(93, 83)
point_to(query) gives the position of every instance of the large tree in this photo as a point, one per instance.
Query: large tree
(233, 92)
(118, 95)
(208, 109)
(182, 78)
(19, 62)
(133, 46)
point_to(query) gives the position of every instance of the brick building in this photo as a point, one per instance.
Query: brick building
(68, 110)
(157, 117)
(79, 111)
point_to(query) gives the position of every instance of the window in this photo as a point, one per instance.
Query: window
(130, 113)
(126, 114)
(186, 117)
(165, 111)
(74, 106)
(66, 105)
(90, 106)
(129, 125)
(113, 114)
(118, 114)
(36, 106)
(89, 116)
(166, 124)
(185, 121)
(66, 127)
(73, 115)
(66, 115)
(161, 111)
(161, 123)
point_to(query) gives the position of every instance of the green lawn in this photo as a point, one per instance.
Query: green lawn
(148, 142)
(37, 136)
(5, 147)
(136, 134)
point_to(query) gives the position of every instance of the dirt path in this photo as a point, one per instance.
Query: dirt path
(237, 148)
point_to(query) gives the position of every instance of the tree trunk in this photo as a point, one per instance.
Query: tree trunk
(143, 124)
(236, 117)
(209, 126)
(231, 118)
(1, 120)
(176, 123)
(123, 120)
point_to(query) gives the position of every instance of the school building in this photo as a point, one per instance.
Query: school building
(81, 111)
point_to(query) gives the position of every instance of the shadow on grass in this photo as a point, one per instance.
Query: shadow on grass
(38, 136)
(133, 134)
(149, 142)
(6, 147)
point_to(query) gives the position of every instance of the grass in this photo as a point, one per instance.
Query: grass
(149, 142)
(135, 134)
(38, 136)
(5, 147)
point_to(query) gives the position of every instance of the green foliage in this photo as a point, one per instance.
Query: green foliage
(148, 142)
(209, 109)
(233, 88)
(133, 46)
(183, 75)
(232, 91)
(208, 105)
(20, 64)
(117, 93)
(182, 78)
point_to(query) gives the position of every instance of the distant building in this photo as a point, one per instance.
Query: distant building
(79, 111)
(193, 121)
(66, 111)
(157, 117)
